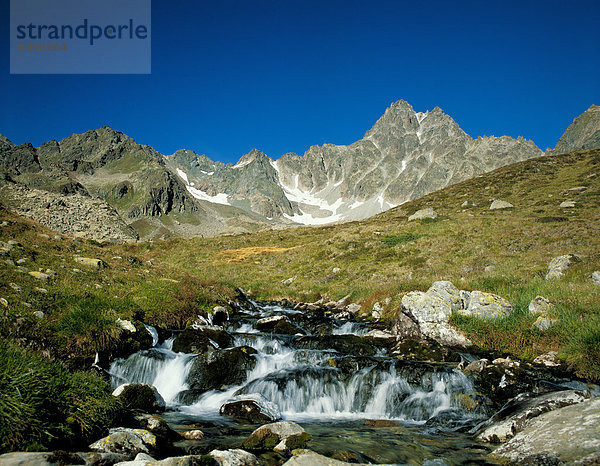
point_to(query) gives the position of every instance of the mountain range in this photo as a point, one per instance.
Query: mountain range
(103, 185)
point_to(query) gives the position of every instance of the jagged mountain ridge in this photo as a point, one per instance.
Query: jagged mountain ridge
(405, 155)
(130, 178)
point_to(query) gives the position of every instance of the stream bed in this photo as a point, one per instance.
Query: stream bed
(338, 379)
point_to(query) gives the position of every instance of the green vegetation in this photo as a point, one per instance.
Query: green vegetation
(43, 405)
(168, 283)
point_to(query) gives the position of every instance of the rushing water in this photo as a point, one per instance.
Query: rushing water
(329, 393)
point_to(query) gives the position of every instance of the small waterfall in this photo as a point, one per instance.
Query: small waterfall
(159, 366)
(154, 334)
(350, 328)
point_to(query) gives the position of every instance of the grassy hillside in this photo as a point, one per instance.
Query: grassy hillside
(168, 283)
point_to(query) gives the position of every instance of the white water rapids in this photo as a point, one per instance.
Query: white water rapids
(305, 383)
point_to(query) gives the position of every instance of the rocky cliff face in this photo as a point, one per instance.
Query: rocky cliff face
(583, 133)
(404, 156)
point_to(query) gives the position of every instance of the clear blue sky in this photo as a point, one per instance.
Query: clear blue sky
(228, 76)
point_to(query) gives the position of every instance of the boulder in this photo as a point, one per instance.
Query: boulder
(423, 214)
(543, 323)
(549, 359)
(221, 368)
(141, 459)
(517, 413)
(125, 441)
(560, 264)
(432, 314)
(126, 325)
(279, 436)
(567, 204)
(194, 434)
(234, 457)
(140, 397)
(277, 324)
(540, 305)
(447, 292)
(353, 308)
(219, 315)
(310, 458)
(289, 281)
(89, 262)
(158, 426)
(251, 409)
(189, 460)
(486, 306)
(39, 275)
(567, 435)
(498, 204)
(200, 340)
(596, 277)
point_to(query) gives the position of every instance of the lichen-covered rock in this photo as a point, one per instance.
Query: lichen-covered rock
(432, 315)
(559, 264)
(569, 435)
(544, 322)
(499, 204)
(486, 306)
(253, 409)
(90, 262)
(423, 214)
(235, 457)
(140, 397)
(540, 305)
(126, 325)
(128, 442)
(596, 277)
(278, 436)
(517, 413)
(549, 359)
(448, 293)
(39, 275)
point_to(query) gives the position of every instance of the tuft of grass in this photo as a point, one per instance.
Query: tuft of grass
(43, 406)
(394, 240)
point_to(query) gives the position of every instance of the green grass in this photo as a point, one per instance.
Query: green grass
(42, 405)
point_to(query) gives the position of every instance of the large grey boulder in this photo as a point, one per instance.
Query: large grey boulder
(235, 457)
(125, 441)
(498, 204)
(517, 413)
(560, 264)
(432, 315)
(423, 214)
(141, 459)
(447, 292)
(279, 436)
(569, 435)
(486, 306)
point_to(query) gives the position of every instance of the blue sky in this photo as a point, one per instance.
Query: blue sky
(228, 76)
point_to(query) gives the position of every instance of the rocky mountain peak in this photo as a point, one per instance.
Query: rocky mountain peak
(253, 155)
(583, 133)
